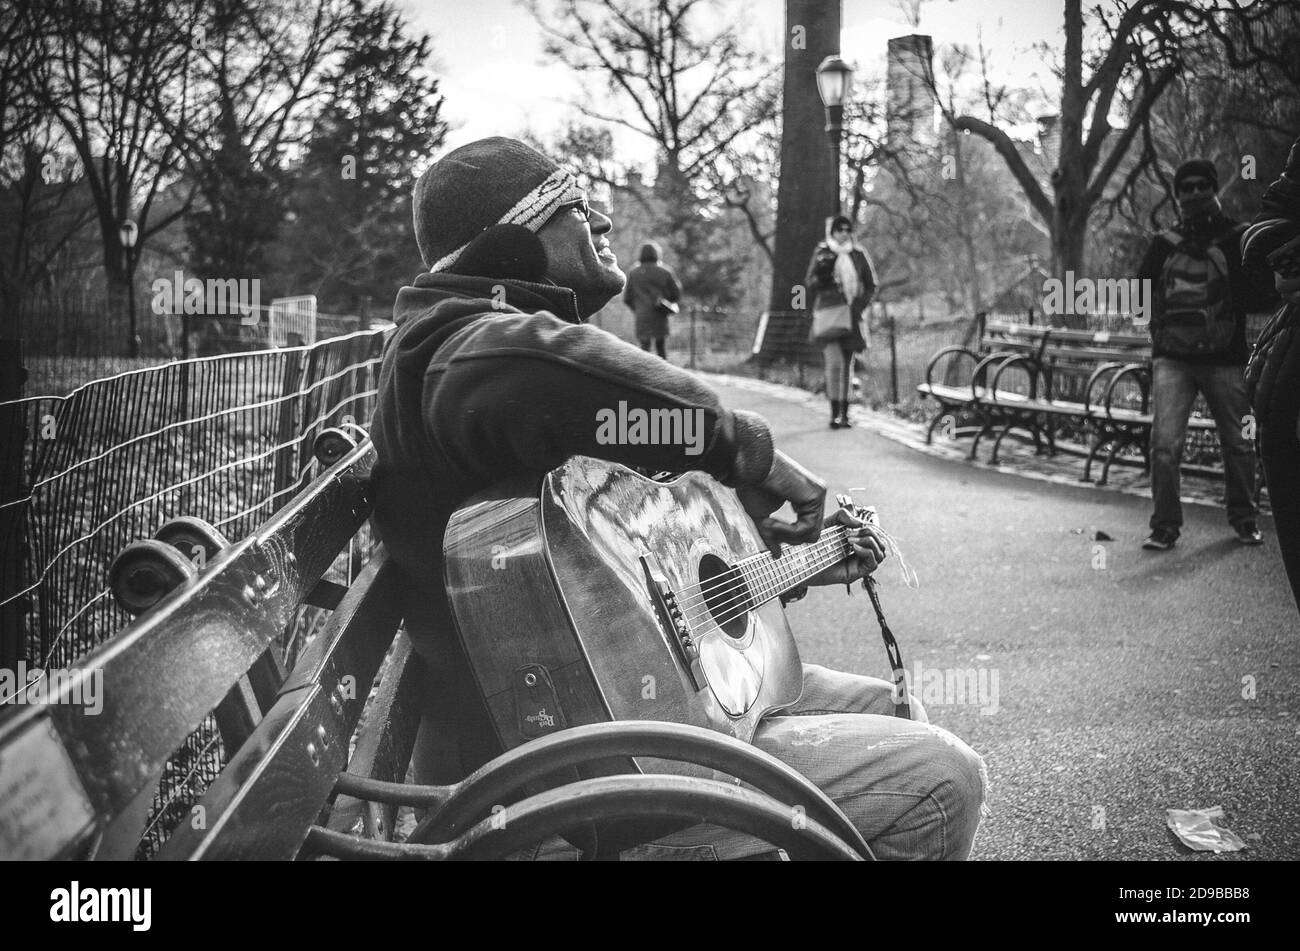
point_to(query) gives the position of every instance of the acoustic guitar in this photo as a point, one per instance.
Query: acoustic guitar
(611, 596)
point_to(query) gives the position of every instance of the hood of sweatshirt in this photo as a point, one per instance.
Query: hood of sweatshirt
(445, 297)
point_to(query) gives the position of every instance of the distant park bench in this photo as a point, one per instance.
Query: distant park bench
(1038, 379)
(316, 756)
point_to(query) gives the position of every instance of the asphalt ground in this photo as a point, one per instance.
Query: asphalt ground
(1127, 682)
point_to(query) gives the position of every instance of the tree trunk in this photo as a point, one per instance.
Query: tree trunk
(808, 184)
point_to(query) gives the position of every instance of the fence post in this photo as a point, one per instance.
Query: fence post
(694, 310)
(13, 520)
(893, 364)
(286, 456)
(364, 318)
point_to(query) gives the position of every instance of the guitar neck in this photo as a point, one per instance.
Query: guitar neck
(768, 577)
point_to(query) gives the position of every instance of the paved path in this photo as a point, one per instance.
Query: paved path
(1120, 672)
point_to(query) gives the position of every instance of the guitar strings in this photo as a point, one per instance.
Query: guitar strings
(727, 611)
(739, 589)
(908, 574)
(759, 594)
(827, 560)
(832, 534)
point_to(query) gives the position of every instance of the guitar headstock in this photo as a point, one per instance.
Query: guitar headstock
(865, 513)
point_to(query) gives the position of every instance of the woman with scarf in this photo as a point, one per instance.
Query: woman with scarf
(1273, 374)
(841, 282)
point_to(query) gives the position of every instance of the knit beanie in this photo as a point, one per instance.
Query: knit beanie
(1196, 168)
(649, 252)
(485, 183)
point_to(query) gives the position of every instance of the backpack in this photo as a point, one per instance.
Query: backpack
(1194, 302)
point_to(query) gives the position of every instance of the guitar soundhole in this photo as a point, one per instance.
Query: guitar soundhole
(725, 595)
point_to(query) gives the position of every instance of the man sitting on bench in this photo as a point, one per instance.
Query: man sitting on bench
(492, 372)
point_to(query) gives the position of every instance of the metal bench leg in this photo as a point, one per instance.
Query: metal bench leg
(1098, 441)
(929, 433)
(985, 429)
(993, 457)
(1110, 457)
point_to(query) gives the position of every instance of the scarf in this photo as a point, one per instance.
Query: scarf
(846, 272)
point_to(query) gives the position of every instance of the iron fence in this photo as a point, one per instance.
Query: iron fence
(227, 438)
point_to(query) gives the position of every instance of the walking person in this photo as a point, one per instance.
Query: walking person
(1201, 293)
(652, 293)
(841, 283)
(1273, 376)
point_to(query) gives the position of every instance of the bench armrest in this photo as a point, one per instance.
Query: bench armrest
(1092, 381)
(934, 360)
(1032, 366)
(1143, 374)
(981, 369)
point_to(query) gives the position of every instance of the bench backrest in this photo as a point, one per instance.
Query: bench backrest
(77, 783)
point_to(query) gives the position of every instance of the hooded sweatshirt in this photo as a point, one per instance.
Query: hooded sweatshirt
(486, 379)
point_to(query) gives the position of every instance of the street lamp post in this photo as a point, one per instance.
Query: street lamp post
(833, 79)
(128, 232)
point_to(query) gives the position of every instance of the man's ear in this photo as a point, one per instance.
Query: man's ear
(505, 252)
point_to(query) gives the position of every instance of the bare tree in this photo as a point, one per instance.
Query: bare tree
(692, 92)
(1140, 55)
(256, 82)
(103, 67)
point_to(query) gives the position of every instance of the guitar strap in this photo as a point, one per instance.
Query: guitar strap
(897, 672)
(901, 707)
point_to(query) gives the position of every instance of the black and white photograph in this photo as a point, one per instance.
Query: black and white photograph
(651, 431)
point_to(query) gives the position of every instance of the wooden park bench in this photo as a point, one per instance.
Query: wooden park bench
(1044, 379)
(316, 753)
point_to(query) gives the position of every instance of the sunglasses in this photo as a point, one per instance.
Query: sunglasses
(579, 205)
(1195, 186)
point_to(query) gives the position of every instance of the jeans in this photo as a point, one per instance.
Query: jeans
(1174, 387)
(913, 790)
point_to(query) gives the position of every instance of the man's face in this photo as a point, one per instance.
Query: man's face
(579, 257)
(1192, 187)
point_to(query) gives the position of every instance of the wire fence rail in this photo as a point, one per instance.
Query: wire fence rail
(226, 438)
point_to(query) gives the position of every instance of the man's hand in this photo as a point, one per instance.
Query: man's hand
(868, 546)
(868, 552)
(786, 481)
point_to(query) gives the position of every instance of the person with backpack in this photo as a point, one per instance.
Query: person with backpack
(1201, 293)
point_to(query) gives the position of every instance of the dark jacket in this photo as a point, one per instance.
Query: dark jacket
(1250, 287)
(646, 284)
(470, 394)
(825, 291)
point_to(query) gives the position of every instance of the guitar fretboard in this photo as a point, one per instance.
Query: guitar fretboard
(767, 577)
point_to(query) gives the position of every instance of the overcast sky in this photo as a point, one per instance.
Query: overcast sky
(489, 54)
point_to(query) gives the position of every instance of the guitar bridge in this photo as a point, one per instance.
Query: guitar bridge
(679, 632)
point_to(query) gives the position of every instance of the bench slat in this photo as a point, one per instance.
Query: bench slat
(165, 672)
(265, 800)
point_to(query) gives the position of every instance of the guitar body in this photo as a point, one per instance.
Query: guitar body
(609, 596)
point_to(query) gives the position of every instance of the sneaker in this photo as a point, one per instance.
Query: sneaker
(1248, 534)
(1161, 539)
